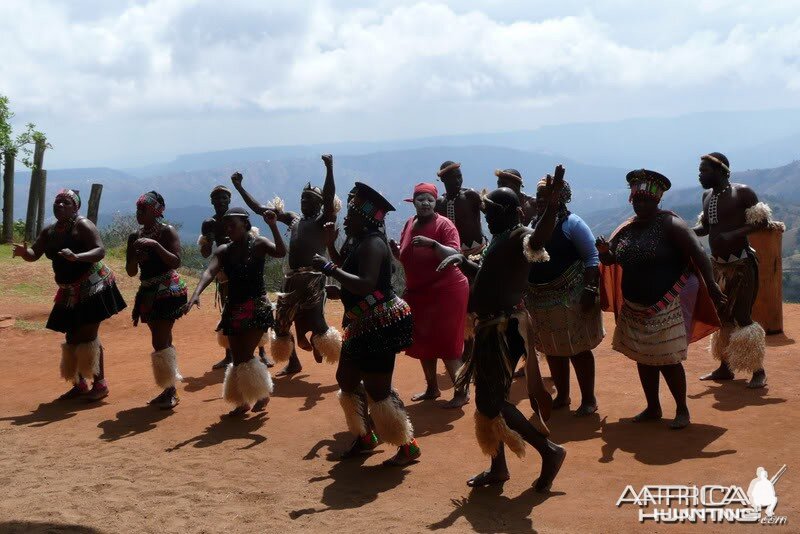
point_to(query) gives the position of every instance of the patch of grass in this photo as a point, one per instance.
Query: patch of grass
(5, 254)
(29, 326)
(27, 289)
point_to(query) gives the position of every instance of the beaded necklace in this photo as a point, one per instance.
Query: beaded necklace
(65, 227)
(713, 213)
(153, 232)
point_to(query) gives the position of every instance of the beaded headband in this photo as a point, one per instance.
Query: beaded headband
(716, 161)
(312, 190)
(508, 174)
(451, 167)
(367, 209)
(72, 196)
(151, 202)
(647, 188)
(566, 191)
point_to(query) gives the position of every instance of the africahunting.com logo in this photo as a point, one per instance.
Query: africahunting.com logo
(708, 504)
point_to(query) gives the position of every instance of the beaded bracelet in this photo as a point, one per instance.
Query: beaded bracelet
(329, 267)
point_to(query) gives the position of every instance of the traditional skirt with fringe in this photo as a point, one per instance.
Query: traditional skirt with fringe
(739, 281)
(252, 314)
(161, 297)
(375, 330)
(91, 299)
(562, 327)
(303, 291)
(658, 334)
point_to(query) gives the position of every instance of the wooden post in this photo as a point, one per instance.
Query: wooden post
(8, 196)
(42, 195)
(768, 308)
(33, 192)
(94, 203)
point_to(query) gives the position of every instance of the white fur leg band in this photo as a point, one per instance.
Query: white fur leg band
(747, 348)
(759, 214)
(533, 256)
(246, 383)
(69, 363)
(719, 343)
(354, 406)
(165, 367)
(391, 420)
(280, 347)
(328, 344)
(88, 358)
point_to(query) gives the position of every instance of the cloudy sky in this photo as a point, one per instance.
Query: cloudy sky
(131, 83)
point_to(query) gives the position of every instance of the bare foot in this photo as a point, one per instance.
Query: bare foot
(551, 465)
(292, 368)
(759, 380)
(488, 478)
(261, 405)
(458, 400)
(720, 373)
(647, 415)
(561, 402)
(429, 394)
(680, 421)
(586, 409)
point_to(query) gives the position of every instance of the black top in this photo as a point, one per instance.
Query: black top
(245, 279)
(66, 271)
(562, 255)
(350, 265)
(651, 264)
(153, 265)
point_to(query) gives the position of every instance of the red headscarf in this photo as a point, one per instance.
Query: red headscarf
(423, 187)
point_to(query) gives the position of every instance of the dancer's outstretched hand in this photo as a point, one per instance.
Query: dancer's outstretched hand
(328, 159)
(270, 217)
(236, 178)
(455, 259)
(194, 301)
(602, 245)
(19, 250)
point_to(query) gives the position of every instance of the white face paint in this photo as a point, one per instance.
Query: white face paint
(424, 204)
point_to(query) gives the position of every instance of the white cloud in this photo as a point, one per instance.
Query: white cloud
(172, 59)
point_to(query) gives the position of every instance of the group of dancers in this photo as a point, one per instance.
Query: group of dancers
(537, 287)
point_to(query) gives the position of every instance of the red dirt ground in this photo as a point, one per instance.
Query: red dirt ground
(122, 466)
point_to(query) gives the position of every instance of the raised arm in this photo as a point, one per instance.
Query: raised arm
(278, 248)
(252, 203)
(535, 241)
(328, 190)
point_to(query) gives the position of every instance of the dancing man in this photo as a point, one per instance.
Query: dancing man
(512, 179)
(302, 300)
(730, 213)
(87, 293)
(247, 314)
(154, 251)
(212, 236)
(503, 332)
(463, 207)
(377, 325)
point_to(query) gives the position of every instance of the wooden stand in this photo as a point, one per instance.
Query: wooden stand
(768, 308)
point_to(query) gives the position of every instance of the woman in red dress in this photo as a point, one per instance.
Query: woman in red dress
(438, 300)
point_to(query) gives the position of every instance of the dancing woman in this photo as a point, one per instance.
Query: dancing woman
(154, 252)
(247, 314)
(377, 325)
(660, 303)
(87, 293)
